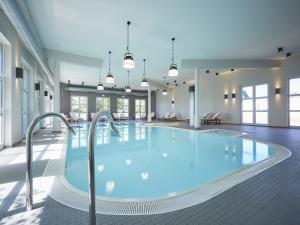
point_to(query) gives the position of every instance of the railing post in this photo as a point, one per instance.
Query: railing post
(29, 189)
(91, 163)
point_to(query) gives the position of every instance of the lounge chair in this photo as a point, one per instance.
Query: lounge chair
(215, 118)
(166, 116)
(69, 119)
(173, 116)
(116, 116)
(143, 116)
(152, 115)
(204, 117)
(93, 115)
(75, 118)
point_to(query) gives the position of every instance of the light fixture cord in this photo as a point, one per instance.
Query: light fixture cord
(128, 23)
(144, 67)
(100, 76)
(109, 61)
(173, 39)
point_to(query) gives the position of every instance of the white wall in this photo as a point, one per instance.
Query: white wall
(15, 52)
(213, 88)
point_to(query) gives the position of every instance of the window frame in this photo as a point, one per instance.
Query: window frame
(289, 102)
(79, 104)
(123, 99)
(2, 96)
(254, 110)
(101, 98)
(26, 67)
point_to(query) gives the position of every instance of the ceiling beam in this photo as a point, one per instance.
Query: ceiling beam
(228, 64)
(75, 59)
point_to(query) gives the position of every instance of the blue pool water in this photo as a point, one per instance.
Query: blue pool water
(152, 162)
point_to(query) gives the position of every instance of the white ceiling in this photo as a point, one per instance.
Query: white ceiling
(204, 29)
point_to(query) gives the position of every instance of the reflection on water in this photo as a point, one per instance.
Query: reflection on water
(145, 162)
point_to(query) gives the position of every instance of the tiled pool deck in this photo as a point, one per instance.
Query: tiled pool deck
(272, 197)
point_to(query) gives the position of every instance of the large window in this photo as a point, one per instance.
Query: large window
(79, 106)
(102, 104)
(1, 94)
(25, 99)
(140, 108)
(123, 106)
(294, 107)
(255, 104)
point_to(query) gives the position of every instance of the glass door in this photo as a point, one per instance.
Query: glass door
(79, 106)
(255, 105)
(294, 102)
(1, 96)
(25, 100)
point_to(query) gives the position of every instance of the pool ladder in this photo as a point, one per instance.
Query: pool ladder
(29, 202)
(91, 158)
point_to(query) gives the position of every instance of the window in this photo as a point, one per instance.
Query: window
(25, 99)
(140, 108)
(247, 104)
(1, 94)
(79, 106)
(102, 104)
(123, 106)
(294, 99)
(255, 104)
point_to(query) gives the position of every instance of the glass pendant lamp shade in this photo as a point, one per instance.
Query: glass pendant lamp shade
(144, 82)
(173, 71)
(109, 78)
(128, 62)
(100, 87)
(127, 89)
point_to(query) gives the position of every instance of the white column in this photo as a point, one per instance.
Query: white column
(56, 96)
(197, 122)
(149, 105)
(192, 107)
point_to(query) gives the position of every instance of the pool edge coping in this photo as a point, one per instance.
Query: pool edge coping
(166, 204)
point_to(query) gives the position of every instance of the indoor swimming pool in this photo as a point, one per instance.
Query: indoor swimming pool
(155, 162)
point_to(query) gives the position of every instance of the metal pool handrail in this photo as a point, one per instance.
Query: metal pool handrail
(91, 162)
(29, 152)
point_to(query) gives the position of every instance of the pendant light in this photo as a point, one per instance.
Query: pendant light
(127, 88)
(173, 72)
(109, 77)
(100, 86)
(144, 82)
(164, 91)
(128, 62)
